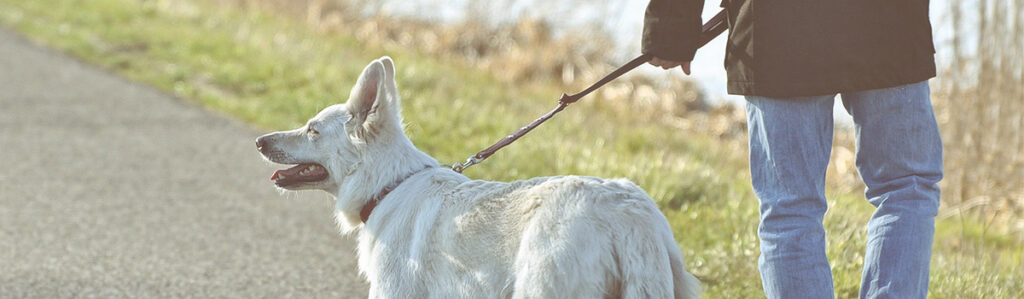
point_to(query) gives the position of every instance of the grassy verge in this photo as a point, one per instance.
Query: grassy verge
(274, 73)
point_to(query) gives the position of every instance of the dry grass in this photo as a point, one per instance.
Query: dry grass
(979, 100)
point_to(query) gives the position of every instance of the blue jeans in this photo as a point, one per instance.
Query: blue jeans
(899, 157)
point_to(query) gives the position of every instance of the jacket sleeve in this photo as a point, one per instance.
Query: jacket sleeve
(672, 28)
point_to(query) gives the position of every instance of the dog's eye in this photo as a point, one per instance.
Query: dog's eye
(311, 130)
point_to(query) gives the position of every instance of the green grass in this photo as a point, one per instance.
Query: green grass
(274, 73)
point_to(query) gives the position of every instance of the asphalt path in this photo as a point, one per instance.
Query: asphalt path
(111, 189)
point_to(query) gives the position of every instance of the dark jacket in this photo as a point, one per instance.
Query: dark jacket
(792, 48)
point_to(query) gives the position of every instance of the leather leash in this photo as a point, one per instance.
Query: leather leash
(715, 26)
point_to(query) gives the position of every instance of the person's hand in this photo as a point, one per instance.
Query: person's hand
(669, 64)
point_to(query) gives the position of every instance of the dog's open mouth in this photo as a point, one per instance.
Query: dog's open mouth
(302, 173)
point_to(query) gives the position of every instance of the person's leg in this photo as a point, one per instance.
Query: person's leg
(790, 146)
(899, 155)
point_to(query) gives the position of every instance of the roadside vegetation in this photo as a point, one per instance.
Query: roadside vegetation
(275, 63)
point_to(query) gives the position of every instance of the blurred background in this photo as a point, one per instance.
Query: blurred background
(473, 71)
(979, 93)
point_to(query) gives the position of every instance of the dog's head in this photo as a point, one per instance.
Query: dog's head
(333, 145)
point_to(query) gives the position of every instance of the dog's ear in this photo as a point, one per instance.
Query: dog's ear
(389, 73)
(374, 99)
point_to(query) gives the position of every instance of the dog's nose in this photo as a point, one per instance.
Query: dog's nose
(261, 142)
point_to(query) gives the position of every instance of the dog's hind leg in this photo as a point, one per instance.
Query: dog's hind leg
(685, 285)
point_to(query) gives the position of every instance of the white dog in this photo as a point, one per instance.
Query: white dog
(428, 232)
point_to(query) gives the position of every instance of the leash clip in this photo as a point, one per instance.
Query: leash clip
(472, 160)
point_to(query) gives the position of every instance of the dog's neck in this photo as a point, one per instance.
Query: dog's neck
(364, 213)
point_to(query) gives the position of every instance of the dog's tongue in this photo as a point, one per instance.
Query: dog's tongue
(290, 172)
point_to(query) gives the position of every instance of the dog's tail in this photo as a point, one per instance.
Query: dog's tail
(647, 258)
(684, 284)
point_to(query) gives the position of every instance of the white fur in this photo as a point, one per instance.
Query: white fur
(442, 235)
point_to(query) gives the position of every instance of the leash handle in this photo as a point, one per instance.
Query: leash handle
(715, 26)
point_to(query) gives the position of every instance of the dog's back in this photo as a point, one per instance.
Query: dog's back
(553, 237)
(589, 238)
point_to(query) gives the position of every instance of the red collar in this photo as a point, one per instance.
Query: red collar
(364, 214)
